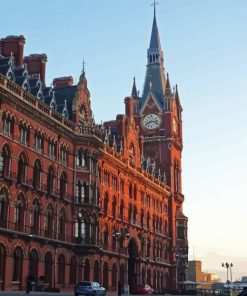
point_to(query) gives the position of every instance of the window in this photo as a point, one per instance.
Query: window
(64, 155)
(49, 220)
(5, 162)
(35, 217)
(114, 205)
(176, 177)
(180, 231)
(122, 186)
(17, 265)
(24, 134)
(106, 178)
(114, 183)
(122, 210)
(82, 159)
(62, 225)
(130, 214)
(37, 175)
(82, 194)
(39, 142)
(19, 216)
(52, 149)
(8, 125)
(50, 181)
(106, 201)
(3, 208)
(130, 190)
(63, 185)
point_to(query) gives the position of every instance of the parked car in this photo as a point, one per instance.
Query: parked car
(143, 289)
(89, 288)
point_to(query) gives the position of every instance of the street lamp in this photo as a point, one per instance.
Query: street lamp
(118, 235)
(228, 266)
(29, 265)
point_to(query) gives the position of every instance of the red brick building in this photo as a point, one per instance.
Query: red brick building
(80, 201)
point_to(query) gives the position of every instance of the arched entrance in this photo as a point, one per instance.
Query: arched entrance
(132, 264)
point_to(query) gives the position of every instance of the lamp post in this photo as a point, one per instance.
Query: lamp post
(29, 265)
(118, 236)
(228, 266)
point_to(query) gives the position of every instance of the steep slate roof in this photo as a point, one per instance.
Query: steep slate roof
(62, 94)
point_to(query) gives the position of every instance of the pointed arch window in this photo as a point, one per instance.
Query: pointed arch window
(63, 185)
(4, 205)
(22, 169)
(50, 180)
(48, 268)
(142, 218)
(105, 238)
(61, 270)
(114, 205)
(39, 142)
(17, 265)
(37, 175)
(180, 231)
(8, 125)
(5, 161)
(49, 221)
(34, 261)
(122, 210)
(82, 192)
(62, 225)
(35, 217)
(106, 201)
(73, 271)
(130, 190)
(24, 134)
(20, 213)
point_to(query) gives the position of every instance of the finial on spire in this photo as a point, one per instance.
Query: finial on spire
(154, 5)
(83, 67)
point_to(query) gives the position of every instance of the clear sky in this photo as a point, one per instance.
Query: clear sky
(205, 48)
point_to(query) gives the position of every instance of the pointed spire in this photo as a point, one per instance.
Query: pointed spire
(155, 39)
(134, 94)
(83, 68)
(177, 96)
(168, 86)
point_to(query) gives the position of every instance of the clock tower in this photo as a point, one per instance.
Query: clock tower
(158, 113)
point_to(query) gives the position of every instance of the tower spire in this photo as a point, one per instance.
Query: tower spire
(134, 94)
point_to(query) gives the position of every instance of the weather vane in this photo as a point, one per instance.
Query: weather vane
(154, 5)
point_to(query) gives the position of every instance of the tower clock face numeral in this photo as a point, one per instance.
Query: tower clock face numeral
(151, 121)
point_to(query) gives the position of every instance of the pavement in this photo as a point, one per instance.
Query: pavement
(23, 293)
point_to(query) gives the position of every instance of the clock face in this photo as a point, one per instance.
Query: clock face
(151, 121)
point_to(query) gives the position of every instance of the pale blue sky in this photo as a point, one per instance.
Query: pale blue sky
(205, 49)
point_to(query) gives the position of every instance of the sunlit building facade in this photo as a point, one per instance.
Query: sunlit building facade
(81, 201)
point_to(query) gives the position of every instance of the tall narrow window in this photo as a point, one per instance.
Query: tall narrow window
(6, 161)
(39, 142)
(3, 208)
(49, 221)
(8, 125)
(63, 185)
(17, 265)
(22, 169)
(37, 175)
(50, 180)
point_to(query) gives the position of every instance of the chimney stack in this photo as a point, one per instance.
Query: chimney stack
(63, 82)
(36, 65)
(13, 45)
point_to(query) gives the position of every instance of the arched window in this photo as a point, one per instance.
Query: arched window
(106, 201)
(130, 190)
(34, 261)
(35, 217)
(17, 265)
(73, 271)
(122, 210)
(61, 269)
(63, 185)
(22, 169)
(48, 268)
(6, 161)
(130, 214)
(2, 264)
(105, 275)
(105, 237)
(96, 271)
(37, 175)
(114, 277)
(135, 192)
(176, 177)
(4, 206)
(50, 180)
(87, 271)
(135, 215)
(82, 192)
(62, 225)
(114, 204)
(20, 210)
(49, 221)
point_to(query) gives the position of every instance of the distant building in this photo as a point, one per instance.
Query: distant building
(203, 279)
